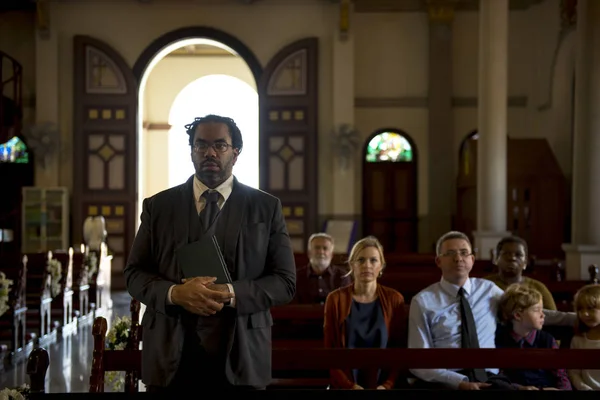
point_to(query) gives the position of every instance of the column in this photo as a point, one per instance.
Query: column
(492, 106)
(584, 248)
(344, 170)
(441, 154)
(47, 93)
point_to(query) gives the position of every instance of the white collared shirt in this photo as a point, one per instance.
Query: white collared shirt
(224, 190)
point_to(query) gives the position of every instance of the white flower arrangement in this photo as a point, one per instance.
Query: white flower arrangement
(55, 270)
(19, 393)
(116, 339)
(5, 289)
(91, 262)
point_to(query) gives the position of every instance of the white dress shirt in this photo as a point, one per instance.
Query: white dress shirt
(434, 322)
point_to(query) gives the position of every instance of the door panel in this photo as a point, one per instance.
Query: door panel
(104, 147)
(390, 209)
(288, 136)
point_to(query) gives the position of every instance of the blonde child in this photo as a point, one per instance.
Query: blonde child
(522, 315)
(587, 307)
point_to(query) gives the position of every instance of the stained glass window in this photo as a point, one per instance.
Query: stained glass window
(389, 146)
(14, 151)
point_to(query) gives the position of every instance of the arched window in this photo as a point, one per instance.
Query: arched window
(14, 151)
(389, 146)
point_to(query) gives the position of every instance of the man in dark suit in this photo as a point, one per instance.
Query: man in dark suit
(196, 333)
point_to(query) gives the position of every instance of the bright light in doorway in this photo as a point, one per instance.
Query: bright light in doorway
(222, 95)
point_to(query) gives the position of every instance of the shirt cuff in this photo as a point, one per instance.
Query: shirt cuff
(169, 301)
(232, 301)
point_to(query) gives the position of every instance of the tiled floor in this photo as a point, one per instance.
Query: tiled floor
(70, 358)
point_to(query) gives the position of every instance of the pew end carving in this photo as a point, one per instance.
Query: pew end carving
(37, 366)
(62, 304)
(13, 323)
(82, 307)
(128, 360)
(39, 299)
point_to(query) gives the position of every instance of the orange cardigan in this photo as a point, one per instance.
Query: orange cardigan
(337, 309)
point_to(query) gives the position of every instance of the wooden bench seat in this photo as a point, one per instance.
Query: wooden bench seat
(321, 360)
(302, 363)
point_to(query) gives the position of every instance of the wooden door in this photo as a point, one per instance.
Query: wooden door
(104, 147)
(390, 194)
(288, 101)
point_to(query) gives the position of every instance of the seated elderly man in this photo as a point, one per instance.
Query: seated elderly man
(315, 280)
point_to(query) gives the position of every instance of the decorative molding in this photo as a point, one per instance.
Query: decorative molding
(422, 102)
(372, 6)
(441, 11)
(512, 102)
(391, 102)
(201, 50)
(156, 126)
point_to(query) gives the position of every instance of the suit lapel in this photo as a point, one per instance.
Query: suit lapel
(181, 212)
(237, 210)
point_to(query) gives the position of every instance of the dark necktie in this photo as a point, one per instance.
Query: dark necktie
(210, 210)
(468, 332)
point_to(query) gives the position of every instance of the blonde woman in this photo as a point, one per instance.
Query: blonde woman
(364, 315)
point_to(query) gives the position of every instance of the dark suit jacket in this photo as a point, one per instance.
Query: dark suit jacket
(257, 248)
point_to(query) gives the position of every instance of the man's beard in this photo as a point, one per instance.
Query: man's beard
(214, 178)
(320, 263)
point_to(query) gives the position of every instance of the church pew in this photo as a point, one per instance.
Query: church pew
(310, 318)
(13, 323)
(37, 366)
(297, 321)
(62, 304)
(39, 299)
(128, 360)
(82, 309)
(321, 360)
(314, 359)
(411, 284)
(542, 270)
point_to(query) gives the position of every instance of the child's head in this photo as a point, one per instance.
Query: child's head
(521, 306)
(587, 307)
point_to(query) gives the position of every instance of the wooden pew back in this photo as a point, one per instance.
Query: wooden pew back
(128, 360)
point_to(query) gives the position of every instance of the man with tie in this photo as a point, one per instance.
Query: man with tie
(460, 312)
(198, 334)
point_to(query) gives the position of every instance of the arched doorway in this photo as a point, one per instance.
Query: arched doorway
(390, 190)
(106, 133)
(201, 39)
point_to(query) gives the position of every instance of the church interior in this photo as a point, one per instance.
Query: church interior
(401, 119)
